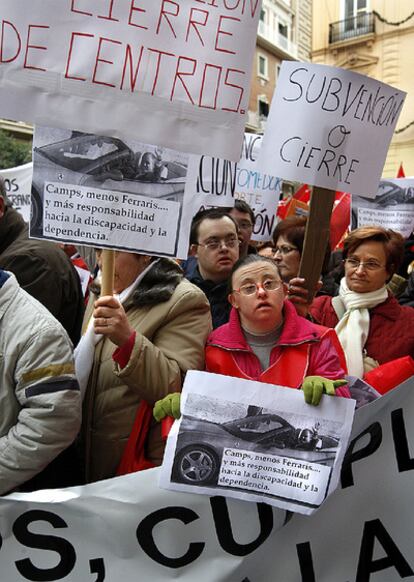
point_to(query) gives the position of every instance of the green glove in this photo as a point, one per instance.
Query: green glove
(167, 406)
(314, 386)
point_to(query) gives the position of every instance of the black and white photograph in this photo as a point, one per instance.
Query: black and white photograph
(72, 169)
(392, 207)
(362, 392)
(201, 442)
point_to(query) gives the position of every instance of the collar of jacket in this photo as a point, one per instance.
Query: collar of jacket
(207, 284)
(12, 226)
(157, 286)
(296, 330)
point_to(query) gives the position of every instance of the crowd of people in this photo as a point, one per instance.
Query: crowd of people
(83, 371)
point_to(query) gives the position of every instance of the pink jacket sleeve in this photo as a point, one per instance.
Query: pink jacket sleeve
(324, 361)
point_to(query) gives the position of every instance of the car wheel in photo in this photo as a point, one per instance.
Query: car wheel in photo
(196, 465)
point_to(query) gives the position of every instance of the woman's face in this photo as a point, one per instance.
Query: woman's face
(127, 268)
(361, 279)
(287, 257)
(260, 311)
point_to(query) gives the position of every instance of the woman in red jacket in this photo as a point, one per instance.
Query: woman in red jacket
(267, 341)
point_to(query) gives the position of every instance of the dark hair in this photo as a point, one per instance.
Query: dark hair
(3, 192)
(241, 206)
(211, 214)
(247, 260)
(292, 229)
(392, 241)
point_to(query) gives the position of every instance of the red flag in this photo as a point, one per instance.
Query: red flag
(303, 194)
(340, 218)
(401, 173)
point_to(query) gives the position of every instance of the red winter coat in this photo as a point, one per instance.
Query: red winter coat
(321, 360)
(391, 329)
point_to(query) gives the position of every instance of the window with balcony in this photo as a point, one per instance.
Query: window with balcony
(357, 21)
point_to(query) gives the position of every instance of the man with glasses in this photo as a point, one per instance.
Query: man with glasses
(243, 215)
(214, 241)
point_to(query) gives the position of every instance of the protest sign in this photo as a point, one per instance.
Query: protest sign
(392, 207)
(128, 526)
(175, 74)
(323, 123)
(18, 182)
(105, 192)
(217, 182)
(286, 453)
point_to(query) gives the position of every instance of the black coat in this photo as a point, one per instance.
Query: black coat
(44, 271)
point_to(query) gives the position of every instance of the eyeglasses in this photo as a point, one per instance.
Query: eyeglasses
(245, 225)
(215, 244)
(284, 249)
(368, 265)
(252, 288)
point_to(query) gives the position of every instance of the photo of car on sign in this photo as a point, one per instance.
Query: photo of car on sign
(201, 443)
(107, 163)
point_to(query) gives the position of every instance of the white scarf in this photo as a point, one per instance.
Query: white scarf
(353, 328)
(85, 349)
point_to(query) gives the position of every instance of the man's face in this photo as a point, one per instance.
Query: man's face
(147, 163)
(245, 228)
(215, 264)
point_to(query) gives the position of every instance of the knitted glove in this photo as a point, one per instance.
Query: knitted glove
(167, 406)
(314, 386)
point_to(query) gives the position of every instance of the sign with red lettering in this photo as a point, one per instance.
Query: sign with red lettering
(330, 128)
(171, 73)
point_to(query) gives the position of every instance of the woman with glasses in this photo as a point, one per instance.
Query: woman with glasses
(266, 340)
(371, 325)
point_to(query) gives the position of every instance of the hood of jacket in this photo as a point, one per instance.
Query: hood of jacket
(296, 330)
(157, 286)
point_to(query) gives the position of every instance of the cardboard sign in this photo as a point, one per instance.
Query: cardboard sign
(392, 207)
(172, 73)
(18, 182)
(330, 127)
(128, 525)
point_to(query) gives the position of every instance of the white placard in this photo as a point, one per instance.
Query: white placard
(173, 73)
(129, 527)
(18, 182)
(107, 193)
(216, 182)
(392, 207)
(286, 453)
(330, 127)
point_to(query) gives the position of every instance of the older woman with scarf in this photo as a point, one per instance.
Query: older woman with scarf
(136, 349)
(371, 326)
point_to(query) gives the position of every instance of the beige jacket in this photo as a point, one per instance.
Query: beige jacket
(172, 321)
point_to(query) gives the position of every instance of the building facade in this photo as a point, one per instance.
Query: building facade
(375, 38)
(284, 33)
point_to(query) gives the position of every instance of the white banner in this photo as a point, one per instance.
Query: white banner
(392, 207)
(128, 529)
(173, 73)
(330, 127)
(18, 182)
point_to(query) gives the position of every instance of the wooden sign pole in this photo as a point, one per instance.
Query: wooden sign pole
(316, 237)
(108, 270)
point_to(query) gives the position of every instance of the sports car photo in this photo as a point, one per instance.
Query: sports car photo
(200, 444)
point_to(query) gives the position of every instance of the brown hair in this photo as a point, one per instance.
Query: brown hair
(392, 241)
(292, 229)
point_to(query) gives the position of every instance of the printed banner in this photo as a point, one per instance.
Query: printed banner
(18, 182)
(257, 442)
(323, 123)
(176, 74)
(392, 207)
(127, 528)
